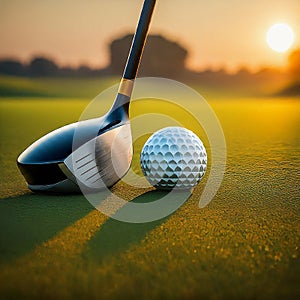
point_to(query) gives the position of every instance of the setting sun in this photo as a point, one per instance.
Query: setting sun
(280, 37)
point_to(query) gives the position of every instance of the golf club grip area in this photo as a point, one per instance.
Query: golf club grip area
(139, 40)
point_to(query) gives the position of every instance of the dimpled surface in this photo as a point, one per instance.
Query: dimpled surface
(173, 157)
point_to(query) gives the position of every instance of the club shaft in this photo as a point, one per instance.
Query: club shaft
(139, 40)
(120, 108)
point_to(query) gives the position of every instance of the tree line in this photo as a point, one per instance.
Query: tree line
(162, 57)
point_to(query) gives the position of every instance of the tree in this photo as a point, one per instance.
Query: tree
(294, 65)
(161, 56)
(12, 67)
(41, 66)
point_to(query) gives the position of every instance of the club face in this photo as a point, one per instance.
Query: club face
(102, 161)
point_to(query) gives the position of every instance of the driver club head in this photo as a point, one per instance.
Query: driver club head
(89, 154)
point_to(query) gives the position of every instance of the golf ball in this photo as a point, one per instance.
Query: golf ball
(173, 157)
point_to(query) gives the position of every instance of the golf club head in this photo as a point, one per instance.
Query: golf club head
(62, 160)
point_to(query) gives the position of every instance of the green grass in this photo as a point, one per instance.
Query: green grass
(53, 87)
(47, 87)
(243, 245)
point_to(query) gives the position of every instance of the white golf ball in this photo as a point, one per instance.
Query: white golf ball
(173, 157)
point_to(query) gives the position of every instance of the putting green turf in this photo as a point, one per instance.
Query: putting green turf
(243, 245)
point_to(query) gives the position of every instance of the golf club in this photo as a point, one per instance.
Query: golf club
(102, 151)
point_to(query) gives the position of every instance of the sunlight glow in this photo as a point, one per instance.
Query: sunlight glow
(280, 37)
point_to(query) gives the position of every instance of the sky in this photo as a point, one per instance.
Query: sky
(218, 34)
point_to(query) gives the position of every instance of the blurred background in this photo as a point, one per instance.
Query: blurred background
(218, 44)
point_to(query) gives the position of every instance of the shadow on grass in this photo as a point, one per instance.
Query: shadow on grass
(31, 219)
(115, 236)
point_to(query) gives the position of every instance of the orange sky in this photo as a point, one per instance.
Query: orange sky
(229, 33)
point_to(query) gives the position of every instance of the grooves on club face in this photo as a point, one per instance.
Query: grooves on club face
(102, 161)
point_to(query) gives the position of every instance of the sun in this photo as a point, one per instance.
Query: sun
(280, 37)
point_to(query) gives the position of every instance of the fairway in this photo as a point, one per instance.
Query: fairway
(243, 245)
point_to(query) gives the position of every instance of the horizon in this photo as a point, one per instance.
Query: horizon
(54, 30)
